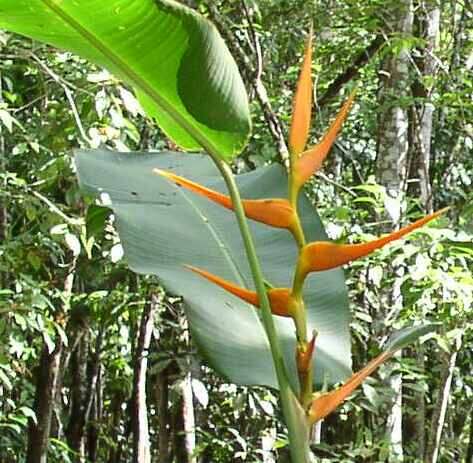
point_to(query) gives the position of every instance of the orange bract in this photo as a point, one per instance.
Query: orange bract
(304, 357)
(274, 212)
(312, 159)
(324, 255)
(326, 403)
(302, 104)
(278, 297)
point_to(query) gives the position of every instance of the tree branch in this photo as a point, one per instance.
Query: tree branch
(351, 71)
(253, 73)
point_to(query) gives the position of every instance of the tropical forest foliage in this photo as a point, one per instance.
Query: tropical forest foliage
(116, 342)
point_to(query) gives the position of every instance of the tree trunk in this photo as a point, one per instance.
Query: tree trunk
(38, 433)
(441, 405)
(393, 124)
(3, 207)
(93, 431)
(114, 455)
(419, 434)
(393, 143)
(46, 388)
(413, 416)
(77, 419)
(141, 445)
(427, 28)
(162, 397)
(469, 450)
(184, 428)
(97, 414)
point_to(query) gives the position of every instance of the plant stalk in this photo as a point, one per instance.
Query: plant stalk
(293, 196)
(305, 377)
(298, 438)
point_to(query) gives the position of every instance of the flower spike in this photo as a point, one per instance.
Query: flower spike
(302, 104)
(324, 255)
(311, 160)
(274, 212)
(324, 404)
(278, 297)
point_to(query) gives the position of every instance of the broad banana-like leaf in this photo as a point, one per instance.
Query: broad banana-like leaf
(164, 227)
(175, 60)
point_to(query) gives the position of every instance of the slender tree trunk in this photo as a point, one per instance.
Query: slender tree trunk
(393, 143)
(413, 416)
(162, 398)
(427, 28)
(77, 419)
(38, 433)
(3, 207)
(441, 405)
(393, 125)
(92, 432)
(96, 414)
(114, 455)
(394, 421)
(141, 444)
(469, 450)
(419, 434)
(46, 390)
(184, 427)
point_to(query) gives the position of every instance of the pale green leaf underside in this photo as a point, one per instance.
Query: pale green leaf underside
(175, 59)
(163, 227)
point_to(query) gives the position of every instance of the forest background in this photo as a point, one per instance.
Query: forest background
(83, 340)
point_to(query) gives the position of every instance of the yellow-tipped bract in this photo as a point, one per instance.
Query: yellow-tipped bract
(325, 404)
(304, 356)
(324, 255)
(302, 104)
(273, 212)
(311, 160)
(278, 297)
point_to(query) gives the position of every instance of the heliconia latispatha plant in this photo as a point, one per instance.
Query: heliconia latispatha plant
(214, 117)
(313, 257)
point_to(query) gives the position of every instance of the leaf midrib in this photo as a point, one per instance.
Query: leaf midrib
(220, 242)
(135, 78)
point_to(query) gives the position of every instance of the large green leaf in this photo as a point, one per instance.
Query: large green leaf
(409, 334)
(174, 58)
(163, 227)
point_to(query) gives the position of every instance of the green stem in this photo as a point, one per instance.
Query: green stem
(299, 279)
(300, 318)
(298, 438)
(297, 230)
